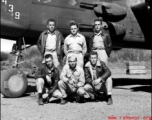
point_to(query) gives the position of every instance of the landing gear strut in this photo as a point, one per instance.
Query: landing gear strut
(14, 81)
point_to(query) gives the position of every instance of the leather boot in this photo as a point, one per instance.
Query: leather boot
(40, 99)
(79, 99)
(63, 101)
(110, 101)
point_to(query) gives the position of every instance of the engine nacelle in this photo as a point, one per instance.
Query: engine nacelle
(108, 11)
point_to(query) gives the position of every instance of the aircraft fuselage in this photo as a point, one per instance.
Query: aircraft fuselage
(27, 18)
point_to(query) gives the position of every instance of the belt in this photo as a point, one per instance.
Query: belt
(98, 48)
(76, 52)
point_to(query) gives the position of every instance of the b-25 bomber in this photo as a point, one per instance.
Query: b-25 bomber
(128, 22)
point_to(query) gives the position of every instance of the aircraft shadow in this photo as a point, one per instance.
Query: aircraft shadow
(146, 84)
(30, 89)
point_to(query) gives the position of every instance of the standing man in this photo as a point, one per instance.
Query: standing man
(97, 73)
(75, 45)
(47, 77)
(50, 41)
(72, 80)
(101, 43)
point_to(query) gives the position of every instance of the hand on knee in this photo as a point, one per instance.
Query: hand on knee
(81, 92)
(60, 83)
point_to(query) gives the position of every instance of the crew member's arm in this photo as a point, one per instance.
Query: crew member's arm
(88, 76)
(90, 44)
(56, 79)
(59, 44)
(39, 42)
(62, 42)
(65, 46)
(63, 75)
(109, 44)
(106, 72)
(84, 46)
(40, 73)
(62, 39)
(81, 79)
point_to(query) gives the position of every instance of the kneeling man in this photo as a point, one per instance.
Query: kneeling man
(97, 73)
(72, 80)
(47, 77)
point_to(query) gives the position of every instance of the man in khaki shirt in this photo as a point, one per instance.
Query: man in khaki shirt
(72, 80)
(75, 45)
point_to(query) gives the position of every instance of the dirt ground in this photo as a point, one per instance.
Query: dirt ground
(131, 101)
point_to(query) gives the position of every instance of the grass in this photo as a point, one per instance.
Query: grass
(4, 56)
(130, 55)
(32, 57)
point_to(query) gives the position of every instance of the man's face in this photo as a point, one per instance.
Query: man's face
(74, 29)
(93, 59)
(49, 62)
(72, 62)
(97, 26)
(51, 26)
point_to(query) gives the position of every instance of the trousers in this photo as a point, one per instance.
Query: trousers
(101, 87)
(41, 85)
(67, 89)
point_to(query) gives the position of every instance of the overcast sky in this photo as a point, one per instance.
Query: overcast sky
(6, 45)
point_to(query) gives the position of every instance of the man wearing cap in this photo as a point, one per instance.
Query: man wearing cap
(97, 73)
(47, 79)
(50, 41)
(72, 80)
(75, 45)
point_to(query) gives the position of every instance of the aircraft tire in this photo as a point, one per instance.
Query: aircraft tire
(13, 83)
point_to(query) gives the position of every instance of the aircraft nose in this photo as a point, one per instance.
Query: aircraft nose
(110, 11)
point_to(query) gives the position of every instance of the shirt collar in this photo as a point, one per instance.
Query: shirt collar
(93, 68)
(52, 68)
(89, 64)
(48, 32)
(100, 33)
(77, 35)
(74, 69)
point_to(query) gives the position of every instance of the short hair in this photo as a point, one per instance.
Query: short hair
(74, 23)
(48, 56)
(93, 53)
(71, 57)
(98, 19)
(51, 20)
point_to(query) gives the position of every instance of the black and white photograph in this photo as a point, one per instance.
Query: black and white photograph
(76, 60)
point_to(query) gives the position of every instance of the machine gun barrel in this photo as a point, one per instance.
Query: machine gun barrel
(87, 5)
